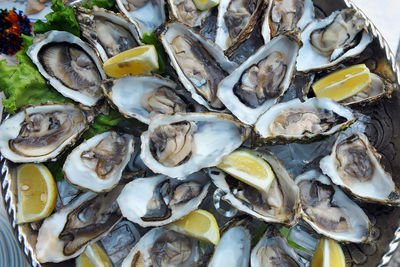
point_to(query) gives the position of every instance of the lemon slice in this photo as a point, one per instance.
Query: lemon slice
(93, 256)
(328, 254)
(344, 83)
(205, 4)
(199, 224)
(37, 192)
(248, 168)
(138, 60)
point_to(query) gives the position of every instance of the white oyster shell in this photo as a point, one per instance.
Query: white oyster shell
(357, 169)
(56, 126)
(200, 65)
(141, 194)
(87, 94)
(185, 251)
(98, 162)
(187, 13)
(288, 8)
(286, 46)
(280, 205)
(296, 120)
(212, 137)
(233, 249)
(337, 217)
(311, 59)
(145, 15)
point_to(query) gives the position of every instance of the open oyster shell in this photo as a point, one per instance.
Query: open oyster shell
(69, 64)
(261, 80)
(302, 121)
(187, 13)
(235, 22)
(354, 165)
(200, 64)
(159, 200)
(143, 97)
(286, 15)
(329, 211)
(182, 144)
(108, 32)
(274, 251)
(145, 15)
(87, 218)
(331, 40)
(97, 163)
(40, 133)
(280, 205)
(162, 247)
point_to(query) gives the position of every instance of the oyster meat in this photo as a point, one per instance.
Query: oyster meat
(159, 200)
(108, 32)
(187, 13)
(161, 247)
(97, 163)
(70, 65)
(143, 97)
(354, 165)
(329, 211)
(261, 80)
(285, 16)
(274, 252)
(235, 22)
(182, 144)
(146, 15)
(200, 65)
(281, 204)
(86, 219)
(40, 133)
(297, 121)
(329, 41)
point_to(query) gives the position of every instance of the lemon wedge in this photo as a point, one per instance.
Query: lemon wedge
(205, 4)
(37, 192)
(138, 60)
(344, 83)
(93, 256)
(328, 254)
(199, 224)
(248, 168)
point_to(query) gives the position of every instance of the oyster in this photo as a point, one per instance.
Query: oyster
(297, 121)
(161, 247)
(274, 252)
(97, 163)
(235, 22)
(182, 144)
(329, 211)
(261, 80)
(233, 248)
(159, 200)
(87, 218)
(108, 32)
(40, 133)
(329, 41)
(69, 64)
(285, 16)
(152, 95)
(146, 15)
(354, 165)
(187, 13)
(200, 64)
(281, 204)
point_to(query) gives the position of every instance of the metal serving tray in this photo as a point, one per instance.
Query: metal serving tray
(383, 132)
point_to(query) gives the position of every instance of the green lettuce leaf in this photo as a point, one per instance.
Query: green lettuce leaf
(107, 4)
(23, 84)
(162, 59)
(62, 18)
(103, 123)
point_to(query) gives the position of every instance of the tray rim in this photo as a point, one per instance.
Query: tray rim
(28, 251)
